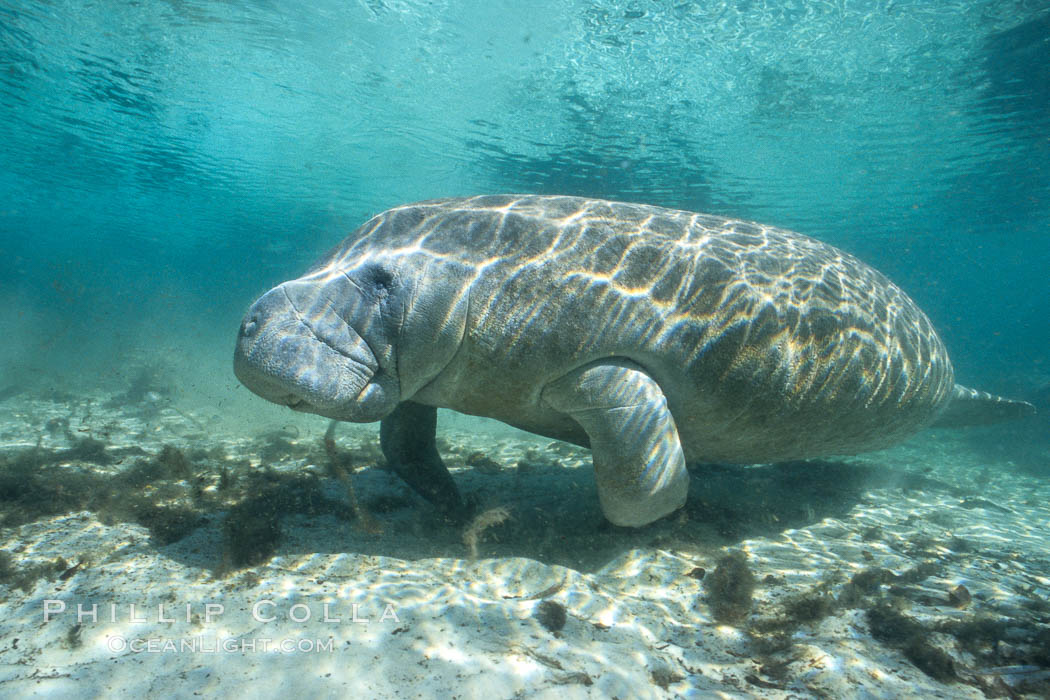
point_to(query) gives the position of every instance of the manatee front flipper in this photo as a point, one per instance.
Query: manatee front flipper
(638, 460)
(407, 439)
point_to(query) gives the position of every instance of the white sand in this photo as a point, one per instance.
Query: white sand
(637, 625)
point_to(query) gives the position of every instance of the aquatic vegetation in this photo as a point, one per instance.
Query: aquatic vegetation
(482, 522)
(340, 464)
(810, 607)
(250, 535)
(483, 463)
(166, 523)
(24, 577)
(551, 615)
(281, 444)
(386, 503)
(959, 597)
(535, 459)
(663, 676)
(87, 449)
(251, 529)
(227, 479)
(920, 572)
(871, 534)
(33, 486)
(993, 640)
(730, 588)
(72, 638)
(367, 521)
(772, 633)
(906, 634)
(169, 493)
(170, 463)
(867, 582)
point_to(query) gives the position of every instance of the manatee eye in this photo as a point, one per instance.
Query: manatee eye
(378, 278)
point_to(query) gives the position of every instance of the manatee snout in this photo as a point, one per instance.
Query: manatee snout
(297, 347)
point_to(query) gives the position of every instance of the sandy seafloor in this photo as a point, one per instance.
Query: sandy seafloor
(127, 500)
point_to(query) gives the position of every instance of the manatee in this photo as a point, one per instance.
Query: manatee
(652, 336)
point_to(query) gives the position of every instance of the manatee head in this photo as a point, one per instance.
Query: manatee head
(319, 344)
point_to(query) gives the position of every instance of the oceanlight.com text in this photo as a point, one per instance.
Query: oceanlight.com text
(228, 645)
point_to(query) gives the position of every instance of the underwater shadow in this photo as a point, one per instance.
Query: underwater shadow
(208, 512)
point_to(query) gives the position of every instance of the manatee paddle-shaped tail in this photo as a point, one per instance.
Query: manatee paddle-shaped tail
(968, 407)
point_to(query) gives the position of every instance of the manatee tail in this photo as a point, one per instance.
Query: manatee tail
(971, 407)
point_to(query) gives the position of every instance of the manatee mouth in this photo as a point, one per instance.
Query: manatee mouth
(296, 351)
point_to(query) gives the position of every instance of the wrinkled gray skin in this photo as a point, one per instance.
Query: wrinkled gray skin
(652, 336)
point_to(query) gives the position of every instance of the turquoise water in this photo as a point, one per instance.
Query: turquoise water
(164, 162)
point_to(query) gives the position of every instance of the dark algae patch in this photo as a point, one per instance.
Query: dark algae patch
(32, 487)
(166, 523)
(171, 493)
(899, 631)
(249, 536)
(810, 607)
(979, 649)
(730, 588)
(170, 464)
(551, 615)
(251, 529)
(24, 577)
